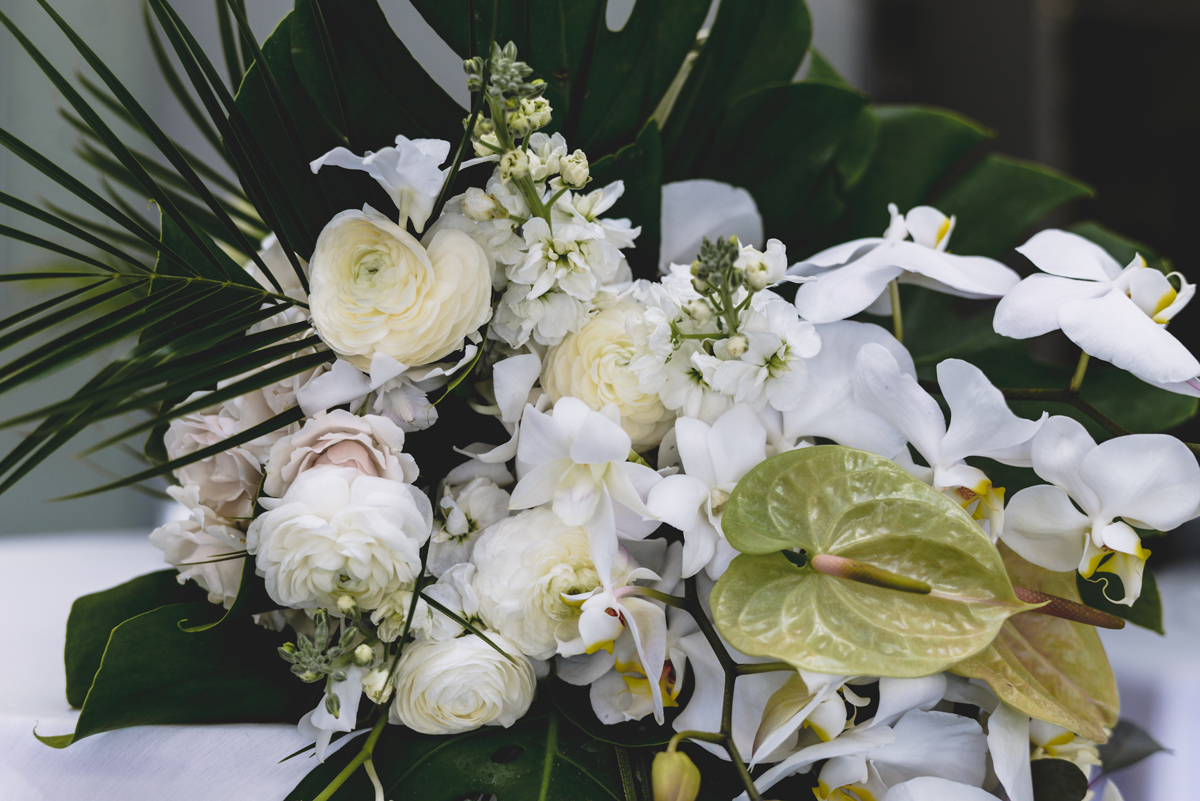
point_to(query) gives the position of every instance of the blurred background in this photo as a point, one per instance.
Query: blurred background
(1106, 90)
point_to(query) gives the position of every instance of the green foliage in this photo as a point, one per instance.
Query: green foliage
(838, 501)
(1058, 780)
(575, 704)
(1128, 745)
(639, 165)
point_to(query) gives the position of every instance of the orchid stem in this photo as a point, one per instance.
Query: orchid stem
(897, 316)
(359, 758)
(705, 736)
(1080, 370)
(736, 759)
(669, 600)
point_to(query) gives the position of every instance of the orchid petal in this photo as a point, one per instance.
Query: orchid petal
(737, 443)
(932, 788)
(1008, 741)
(981, 424)
(622, 481)
(600, 440)
(344, 383)
(538, 486)
(896, 398)
(698, 209)
(854, 741)
(1043, 527)
(898, 696)
(513, 378)
(1031, 308)
(835, 256)
(676, 500)
(692, 442)
(542, 439)
(846, 291)
(1151, 478)
(1070, 255)
(933, 744)
(648, 624)
(1058, 450)
(971, 276)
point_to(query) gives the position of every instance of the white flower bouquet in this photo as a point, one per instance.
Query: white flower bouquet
(575, 455)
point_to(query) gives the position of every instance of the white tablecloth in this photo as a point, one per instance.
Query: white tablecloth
(41, 575)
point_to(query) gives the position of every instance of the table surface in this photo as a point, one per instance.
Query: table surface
(41, 575)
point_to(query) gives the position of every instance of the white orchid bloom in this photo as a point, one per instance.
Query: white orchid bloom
(695, 210)
(410, 172)
(931, 788)
(714, 460)
(1112, 314)
(1149, 481)
(576, 460)
(513, 380)
(871, 759)
(852, 277)
(981, 424)
(319, 725)
(827, 408)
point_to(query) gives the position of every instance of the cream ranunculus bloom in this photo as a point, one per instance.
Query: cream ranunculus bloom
(375, 289)
(593, 365)
(457, 685)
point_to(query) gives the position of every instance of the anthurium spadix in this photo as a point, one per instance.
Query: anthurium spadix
(981, 424)
(1150, 481)
(852, 277)
(1119, 315)
(938, 590)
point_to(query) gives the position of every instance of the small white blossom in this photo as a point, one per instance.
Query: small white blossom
(464, 512)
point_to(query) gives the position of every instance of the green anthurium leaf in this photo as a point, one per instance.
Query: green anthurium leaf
(1146, 610)
(1058, 780)
(575, 703)
(1052, 669)
(1128, 745)
(639, 165)
(840, 502)
(916, 147)
(153, 672)
(1000, 199)
(752, 45)
(542, 757)
(94, 616)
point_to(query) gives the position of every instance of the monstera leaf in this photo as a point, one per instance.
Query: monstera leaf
(830, 500)
(1047, 667)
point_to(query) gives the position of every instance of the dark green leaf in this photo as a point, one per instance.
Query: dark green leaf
(252, 599)
(1127, 745)
(1146, 610)
(575, 703)
(1000, 199)
(639, 165)
(74, 230)
(542, 757)
(1058, 780)
(94, 616)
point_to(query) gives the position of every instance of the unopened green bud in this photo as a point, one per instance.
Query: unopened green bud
(288, 651)
(674, 777)
(338, 675)
(306, 676)
(364, 655)
(333, 704)
(700, 285)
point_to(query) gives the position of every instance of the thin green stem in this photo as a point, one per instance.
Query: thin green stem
(705, 736)
(1080, 370)
(729, 311)
(359, 758)
(897, 316)
(655, 595)
(764, 667)
(743, 772)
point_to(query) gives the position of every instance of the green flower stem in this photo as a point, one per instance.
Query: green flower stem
(764, 667)
(728, 311)
(897, 317)
(705, 736)
(696, 610)
(669, 600)
(359, 758)
(1080, 370)
(736, 758)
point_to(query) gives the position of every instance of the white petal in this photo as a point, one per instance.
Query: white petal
(513, 378)
(1058, 451)
(542, 438)
(1113, 328)
(676, 500)
(691, 437)
(855, 741)
(898, 696)
(693, 210)
(981, 424)
(933, 744)
(897, 398)
(600, 440)
(1151, 478)
(1111, 793)
(927, 226)
(1030, 308)
(538, 485)
(845, 291)
(931, 788)
(1008, 740)
(1070, 255)
(648, 624)
(1044, 528)
(972, 276)
(835, 256)
(344, 383)
(629, 483)
(737, 443)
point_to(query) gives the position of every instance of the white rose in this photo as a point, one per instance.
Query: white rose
(371, 444)
(375, 289)
(524, 566)
(200, 538)
(340, 532)
(228, 481)
(593, 365)
(453, 686)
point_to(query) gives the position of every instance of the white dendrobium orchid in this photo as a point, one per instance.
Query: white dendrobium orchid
(577, 460)
(1150, 481)
(1112, 314)
(981, 424)
(714, 459)
(852, 277)
(410, 172)
(319, 725)
(827, 407)
(700, 209)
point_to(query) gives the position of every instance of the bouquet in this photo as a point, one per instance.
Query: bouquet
(657, 417)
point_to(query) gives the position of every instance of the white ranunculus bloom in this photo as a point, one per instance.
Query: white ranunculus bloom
(375, 289)
(227, 481)
(525, 565)
(202, 537)
(458, 685)
(338, 531)
(593, 366)
(371, 444)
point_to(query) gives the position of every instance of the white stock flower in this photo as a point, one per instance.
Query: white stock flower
(339, 532)
(546, 318)
(546, 153)
(525, 565)
(574, 170)
(593, 366)
(848, 278)
(981, 424)
(410, 173)
(762, 269)
(714, 459)
(574, 206)
(227, 481)
(371, 444)
(575, 258)
(464, 512)
(1113, 314)
(375, 289)
(199, 539)
(1150, 481)
(453, 686)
